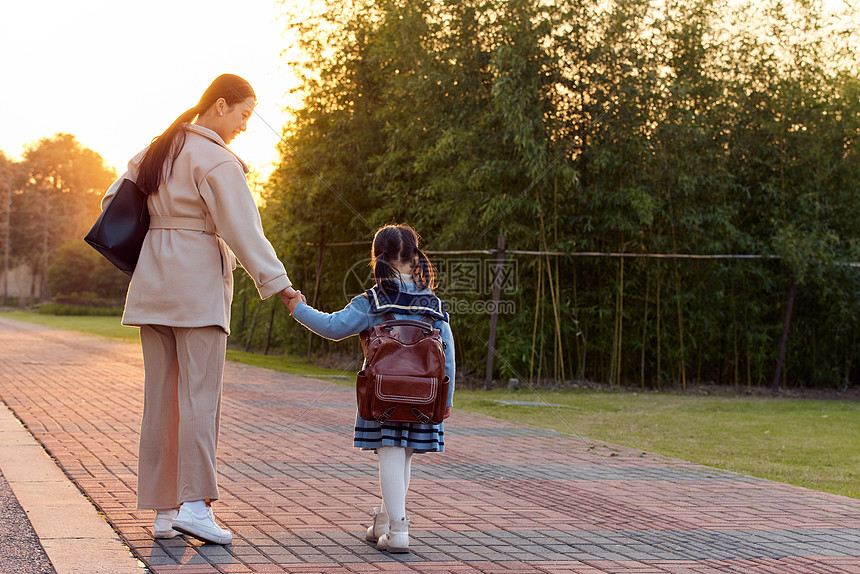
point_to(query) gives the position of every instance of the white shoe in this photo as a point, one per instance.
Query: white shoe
(201, 526)
(379, 527)
(396, 540)
(164, 526)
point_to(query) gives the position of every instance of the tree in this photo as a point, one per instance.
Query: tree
(80, 275)
(10, 174)
(704, 127)
(58, 199)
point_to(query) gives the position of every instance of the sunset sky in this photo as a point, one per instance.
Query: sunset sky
(116, 73)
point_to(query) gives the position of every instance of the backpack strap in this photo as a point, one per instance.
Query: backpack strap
(389, 316)
(428, 319)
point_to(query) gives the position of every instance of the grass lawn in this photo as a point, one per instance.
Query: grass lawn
(112, 328)
(810, 443)
(291, 364)
(103, 326)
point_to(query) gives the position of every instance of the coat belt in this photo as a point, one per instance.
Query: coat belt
(206, 225)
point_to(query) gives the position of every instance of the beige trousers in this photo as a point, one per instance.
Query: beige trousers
(181, 414)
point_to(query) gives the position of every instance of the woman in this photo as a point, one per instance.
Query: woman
(180, 295)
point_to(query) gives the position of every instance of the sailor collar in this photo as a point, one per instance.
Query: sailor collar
(406, 303)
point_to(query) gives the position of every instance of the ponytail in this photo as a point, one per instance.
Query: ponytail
(157, 163)
(159, 158)
(395, 244)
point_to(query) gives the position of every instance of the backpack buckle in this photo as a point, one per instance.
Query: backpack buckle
(420, 416)
(386, 414)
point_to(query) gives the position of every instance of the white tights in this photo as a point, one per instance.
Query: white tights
(395, 469)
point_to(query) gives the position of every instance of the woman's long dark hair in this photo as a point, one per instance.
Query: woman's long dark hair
(395, 244)
(157, 163)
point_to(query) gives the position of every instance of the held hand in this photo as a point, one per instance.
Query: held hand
(294, 301)
(288, 294)
(446, 413)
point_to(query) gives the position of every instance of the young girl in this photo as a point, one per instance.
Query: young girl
(404, 282)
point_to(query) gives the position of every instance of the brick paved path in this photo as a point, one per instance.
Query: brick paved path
(502, 498)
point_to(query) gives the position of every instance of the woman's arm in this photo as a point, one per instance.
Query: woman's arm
(237, 221)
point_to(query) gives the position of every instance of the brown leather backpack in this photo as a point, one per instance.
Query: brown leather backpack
(403, 379)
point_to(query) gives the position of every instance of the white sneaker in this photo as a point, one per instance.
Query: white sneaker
(164, 526)
(201, 526)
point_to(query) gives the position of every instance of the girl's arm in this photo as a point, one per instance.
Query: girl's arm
(351, 320)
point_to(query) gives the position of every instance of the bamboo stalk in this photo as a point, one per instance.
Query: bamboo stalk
(537, 312)
(269, 332)
(540, 350)
(737, 366)
(783, 342)
(581, 348)
(556, 340)
(253, 326)
(682, 365)
(644, 331)
(612, 362)
(558, 322)
(749, 364)
(494, 317)
(556, 347)
(557, 273)
(620, 322)
(737, 361)
(659, 323)
(552, 293)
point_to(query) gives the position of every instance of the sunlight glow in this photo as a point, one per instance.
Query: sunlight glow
(116, 74)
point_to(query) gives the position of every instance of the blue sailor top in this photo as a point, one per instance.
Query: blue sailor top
(366, 310)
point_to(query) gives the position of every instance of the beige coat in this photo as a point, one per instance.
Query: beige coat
(184, 277)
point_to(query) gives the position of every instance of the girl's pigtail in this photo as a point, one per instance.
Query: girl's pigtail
(424, 273)
(384, 274)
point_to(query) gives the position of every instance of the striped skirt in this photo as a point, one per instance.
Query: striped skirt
(370, 435)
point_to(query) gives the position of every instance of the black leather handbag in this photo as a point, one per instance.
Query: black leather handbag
(120, 229)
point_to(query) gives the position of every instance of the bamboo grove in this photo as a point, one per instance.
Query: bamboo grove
(634, 127)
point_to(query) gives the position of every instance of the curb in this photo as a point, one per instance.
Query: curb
(75, 536)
